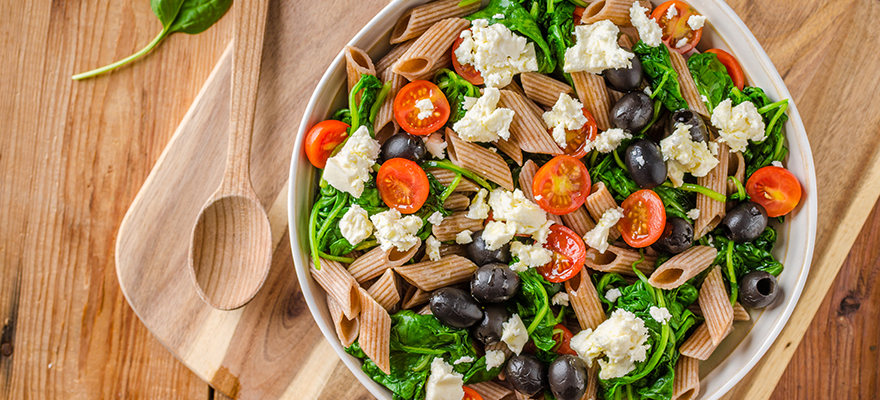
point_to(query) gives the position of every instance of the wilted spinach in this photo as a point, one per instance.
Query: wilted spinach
(711, 78)
(456, 89)
(738, 259)
(532, 303)
(663, 78)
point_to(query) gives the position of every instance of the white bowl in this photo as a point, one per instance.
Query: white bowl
(724, 29)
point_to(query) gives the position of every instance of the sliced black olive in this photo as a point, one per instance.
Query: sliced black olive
(632, 112)
(455, 307)
(527, 374)
(745, 222)
(677, 236)
(480, 255)
(568, 377)
(403, 145)
(624, 79)
(490, 328)
(645, 164)
(699, 132)
(758, 289)
(494, 283)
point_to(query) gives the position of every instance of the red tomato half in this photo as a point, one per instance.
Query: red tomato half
(407, 115)
(403, 185)
(733, 68)
(576, 141)
(676, 28)
(776, 189)
(561, 185)
(322, 139)
(569, 254)
(467, 71)
(471, 394)
(643, 218)
(578, 15)
(563, 340)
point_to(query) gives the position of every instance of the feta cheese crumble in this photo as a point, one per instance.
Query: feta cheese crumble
(682, 155)
(617, 344)
(494, 358)
(567, 113)
(426, 108)
(464, 237)
(355, 225)
(432, 248)
(518, 213)
(465, 359)
(350, 168)
(776, 164)
(660, 314)
(496, 52)
(560, 299)
(681, 43)
(737, 125)
(436, 218)
(530, 256)
(498, 16)
(514, 333)
(696, 21)
(497, 234)
(597, 237)
(607, 141)
(435, 145)
(444, 383)
(649, 30)
(694, 214)
(392, 230)
(479, 209)
(483, 121)
(596, 49)
(612, 295)
(671, 12)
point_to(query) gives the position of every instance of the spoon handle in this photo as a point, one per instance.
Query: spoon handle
(249, 29)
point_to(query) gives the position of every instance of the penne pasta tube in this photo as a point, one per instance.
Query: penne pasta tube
(592, 93)
(476, 158)
(527, 130)
(416, 21)
(375, 332)
(457, 202)
(454, 224)
(357, 63)
(430, 48)
(432, 275)
(445, 61)
(386, 62)
(740, 313)
(385, 292)
(736, 168)
(415, 297)
(613, 95)
(339, 284)
(584, 299)
(699, 345)
(449, 249)
(526, 177)
(502, 347)
(346, 329)
(514, 87)
(716, 306)
(616, 11)
(686, 81)
(376, 261)
(712, 211)
(686, 379)
(599, 201)
(682, 267)
(385, 125)
(543, 89)
(579, 221)
(426, 310)
(491, 390)
(619, 260)
(592, 391)
(512, 150)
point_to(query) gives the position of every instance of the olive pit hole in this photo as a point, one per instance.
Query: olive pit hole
(764, 286)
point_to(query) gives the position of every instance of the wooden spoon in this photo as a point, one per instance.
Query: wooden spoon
(231, 247)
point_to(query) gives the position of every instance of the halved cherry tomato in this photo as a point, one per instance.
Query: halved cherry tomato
(576, 141)
(563, 336)
(407, 115)
(561, 185)
(403, 185)
(471, 394)
(643, 218)
(322, 139)
(569, 254)
(578, 15)
(677, 28)
(776, 189)
(467, 71)
(733, 68)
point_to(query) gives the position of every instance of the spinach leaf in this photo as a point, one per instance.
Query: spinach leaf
(187, 16)
(517, 19)
(759, 155)
(711, 78)
(532, 303)
(738, 259)
(368, 88)
(456, 89)
(661, 75)
(559, 28)
(615, 177)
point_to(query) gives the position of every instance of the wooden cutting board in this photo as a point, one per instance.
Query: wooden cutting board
(272, 348)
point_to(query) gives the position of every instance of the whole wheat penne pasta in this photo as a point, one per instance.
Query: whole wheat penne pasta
(688, 88)
(712, 211)
(389, 59)
(449, 249)
(527, 130)
(502, 347)
(417, 20)
(526, 177)
(682, 267)
(736, 168)
(445, 61)
(579, 221)
(617, 11)
(716, 306)
(520, 396)
(415, 297)
(699, 345)
(446, 177)
(599, 201)
(591, 91)
(740, 313)
(346, 329)
(619, 260)
(543, 89)
(624, 40)
(592, 391)
(454, 224)
(432, 275)
(515, 87)
(457, 202)
(476, 158)
(357, 63)
(584, 300)
(490, 390)
(385, 126)
(375, 332)
(385, 292)
(512, 150)
(426, 310)
(376, 261)
(613, 95)
(430, 48)
(686, 380)
(339, 284)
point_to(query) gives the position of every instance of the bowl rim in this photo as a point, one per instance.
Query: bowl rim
(809, 204)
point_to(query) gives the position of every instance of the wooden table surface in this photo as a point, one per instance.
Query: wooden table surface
(74, 154)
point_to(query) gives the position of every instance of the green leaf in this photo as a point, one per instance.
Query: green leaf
(198, 15)
(166, 10)
(710, 77)
(663, 78)
(456, 89)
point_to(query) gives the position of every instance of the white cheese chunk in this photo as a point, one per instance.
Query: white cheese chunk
(681, 43)
(671, 12)
(696, 21)
(426, 108)
(435, 145)
(660, 314)
(496, 52)
(682, 155)
(432, 248)
(496, 234)
(596, 49)
(694, 214)
(464, 237)
(560, 299)
(776, 164)
(517, 211)
(597, 237)
(436, 218)
(566, 114)
(649, 30)
(607, 141)
(617, 344)
(498, 16)
(444, 383)
(530, 256)
(737, 125)
(514, 333)
(612, 295)
(494, 358)
(355, 225)
(465, 359)
(483, 121)
(350, 167)
(479, 209)
(392, 230)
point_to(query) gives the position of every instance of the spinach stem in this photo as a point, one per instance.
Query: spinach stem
(347, 260)
(421, 350)
(366, 245)
(341, 201)
(740, 190)
(446, 164)
(449, 189)
(580, 3)
(731, 274)
(691, 187)
(465, 3)
(123, 61)
(619, 161)
(542, 312)
(313, 236)
(380, 99)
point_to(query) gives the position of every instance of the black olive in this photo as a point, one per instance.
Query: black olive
(758, 289)
(624, 79)
(480, 255)
(657, 131)
(455, 307)
(645, 164)
(677, 236)
(632, 112)
(699, 132)
(745, 222)
(527, 374)
(568, 377)
(494, 283)
(489, 330)
(403, 145)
